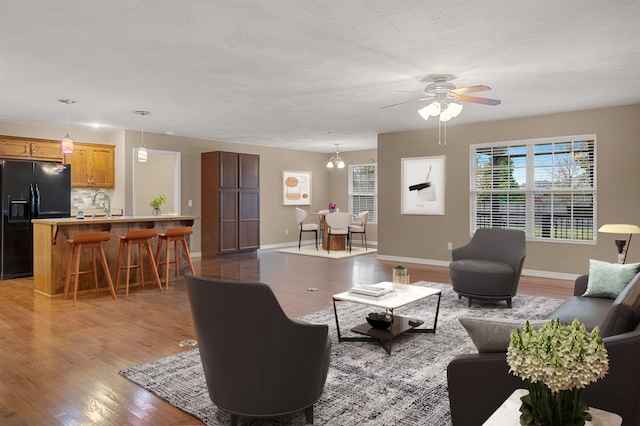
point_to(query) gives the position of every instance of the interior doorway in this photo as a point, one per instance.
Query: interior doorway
(159, 175)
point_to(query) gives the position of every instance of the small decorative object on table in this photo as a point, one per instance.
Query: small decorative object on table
(400, 278)
(379, 320)
(332, 207)
(556, 363)
(156, 203)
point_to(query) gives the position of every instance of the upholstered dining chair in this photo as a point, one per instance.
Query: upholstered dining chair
(257, 362)
(338, 224)
(489, 266)
(301, 215)
(361, 229)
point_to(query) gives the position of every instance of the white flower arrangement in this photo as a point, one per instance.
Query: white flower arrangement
(556, 362)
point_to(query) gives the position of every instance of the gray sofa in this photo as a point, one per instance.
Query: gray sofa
(478, 383)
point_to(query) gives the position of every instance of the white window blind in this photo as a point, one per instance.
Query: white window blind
(545, 187)
(363, 190)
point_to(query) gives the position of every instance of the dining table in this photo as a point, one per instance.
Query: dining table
(338, 242)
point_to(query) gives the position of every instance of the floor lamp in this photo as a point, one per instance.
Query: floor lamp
(616, 228)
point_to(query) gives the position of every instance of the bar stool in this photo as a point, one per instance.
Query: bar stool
(139, 237)
(173, 235)
(93, 241)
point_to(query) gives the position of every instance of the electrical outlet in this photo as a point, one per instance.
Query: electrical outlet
(449, 246)
(286, 232)
(190, 203)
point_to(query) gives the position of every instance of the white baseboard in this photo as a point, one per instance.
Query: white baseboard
(304, 243)
(445, 263)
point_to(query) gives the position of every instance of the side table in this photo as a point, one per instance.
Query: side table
(509, 413)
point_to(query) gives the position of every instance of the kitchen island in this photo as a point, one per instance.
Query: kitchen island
(51, 250)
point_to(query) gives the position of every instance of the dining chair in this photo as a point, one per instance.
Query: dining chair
(361, 229)
(338, 224)
(301, 215)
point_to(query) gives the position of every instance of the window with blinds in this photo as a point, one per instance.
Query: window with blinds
(363, 190)
(545, 187)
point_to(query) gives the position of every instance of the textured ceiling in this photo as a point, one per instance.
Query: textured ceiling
(288, 72)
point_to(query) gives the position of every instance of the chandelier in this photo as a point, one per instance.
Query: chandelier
(336, 161)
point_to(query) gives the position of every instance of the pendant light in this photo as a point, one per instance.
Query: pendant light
(142, 151)
(67, 142)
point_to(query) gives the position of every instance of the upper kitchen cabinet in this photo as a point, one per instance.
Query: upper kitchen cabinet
(92, 166)
(29, 148)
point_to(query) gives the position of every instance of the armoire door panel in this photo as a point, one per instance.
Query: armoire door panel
(228, 237)
(249, 171)
(249, 234)
(249, 205)
(228, 170)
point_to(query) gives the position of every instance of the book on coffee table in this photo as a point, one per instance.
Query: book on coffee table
(370, 290)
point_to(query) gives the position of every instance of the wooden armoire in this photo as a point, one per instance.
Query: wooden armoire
(230, 202)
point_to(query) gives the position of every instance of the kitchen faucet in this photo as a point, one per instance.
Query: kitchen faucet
(106, 206)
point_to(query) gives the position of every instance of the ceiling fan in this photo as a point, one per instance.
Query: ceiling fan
(445, 95)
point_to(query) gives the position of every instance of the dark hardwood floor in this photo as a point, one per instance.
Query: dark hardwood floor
(60, 364)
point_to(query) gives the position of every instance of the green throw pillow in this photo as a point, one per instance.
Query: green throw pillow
(609, 279)
(494, 334)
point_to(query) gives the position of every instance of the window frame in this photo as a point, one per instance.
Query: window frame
(532, 189)
(373, 214)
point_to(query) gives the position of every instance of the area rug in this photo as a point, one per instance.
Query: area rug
(365, 386)
(336, 254)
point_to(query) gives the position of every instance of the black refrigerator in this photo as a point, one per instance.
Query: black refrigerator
(29, 190)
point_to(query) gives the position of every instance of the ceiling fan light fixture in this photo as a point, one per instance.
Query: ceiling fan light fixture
(431, 110)
(455, 108)
(446, 115)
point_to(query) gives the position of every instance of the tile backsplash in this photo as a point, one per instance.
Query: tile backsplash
(82, 199)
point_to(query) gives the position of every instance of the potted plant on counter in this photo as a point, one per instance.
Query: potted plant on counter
(156, 203)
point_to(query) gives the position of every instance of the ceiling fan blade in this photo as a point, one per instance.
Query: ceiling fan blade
(471, 89)
(405, 102)
(477, 100)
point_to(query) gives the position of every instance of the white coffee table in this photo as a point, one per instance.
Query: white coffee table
(399, 324)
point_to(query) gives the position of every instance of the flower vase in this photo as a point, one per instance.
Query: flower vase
(400, 279)
(332, 210)
(156, 211)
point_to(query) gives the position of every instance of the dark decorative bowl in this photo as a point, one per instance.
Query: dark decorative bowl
(380, 321)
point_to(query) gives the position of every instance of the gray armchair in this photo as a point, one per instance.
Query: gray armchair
(257, 362)
(489, 266)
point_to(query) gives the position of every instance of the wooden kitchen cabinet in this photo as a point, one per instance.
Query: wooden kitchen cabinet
(230, 202)
(92, 165)
(30, 149)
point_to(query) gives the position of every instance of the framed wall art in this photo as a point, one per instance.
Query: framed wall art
(296, 188)
(423, 185)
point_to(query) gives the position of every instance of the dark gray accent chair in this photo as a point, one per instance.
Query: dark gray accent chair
(489, 266)
(257, 362)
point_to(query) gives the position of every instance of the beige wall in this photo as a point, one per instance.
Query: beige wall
(426, 237)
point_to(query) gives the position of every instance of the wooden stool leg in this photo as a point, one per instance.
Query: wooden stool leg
(153, 266)
(118, 267)
(105, 267)
(128, 267)
(95, 268)
(68, 276)
(185, 247)
(167, 260)
(177, 259)
(75, 288)
(140, 262)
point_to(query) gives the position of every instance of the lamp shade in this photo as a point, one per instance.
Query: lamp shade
(67, 144)
(617, 228)
(142, 154)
